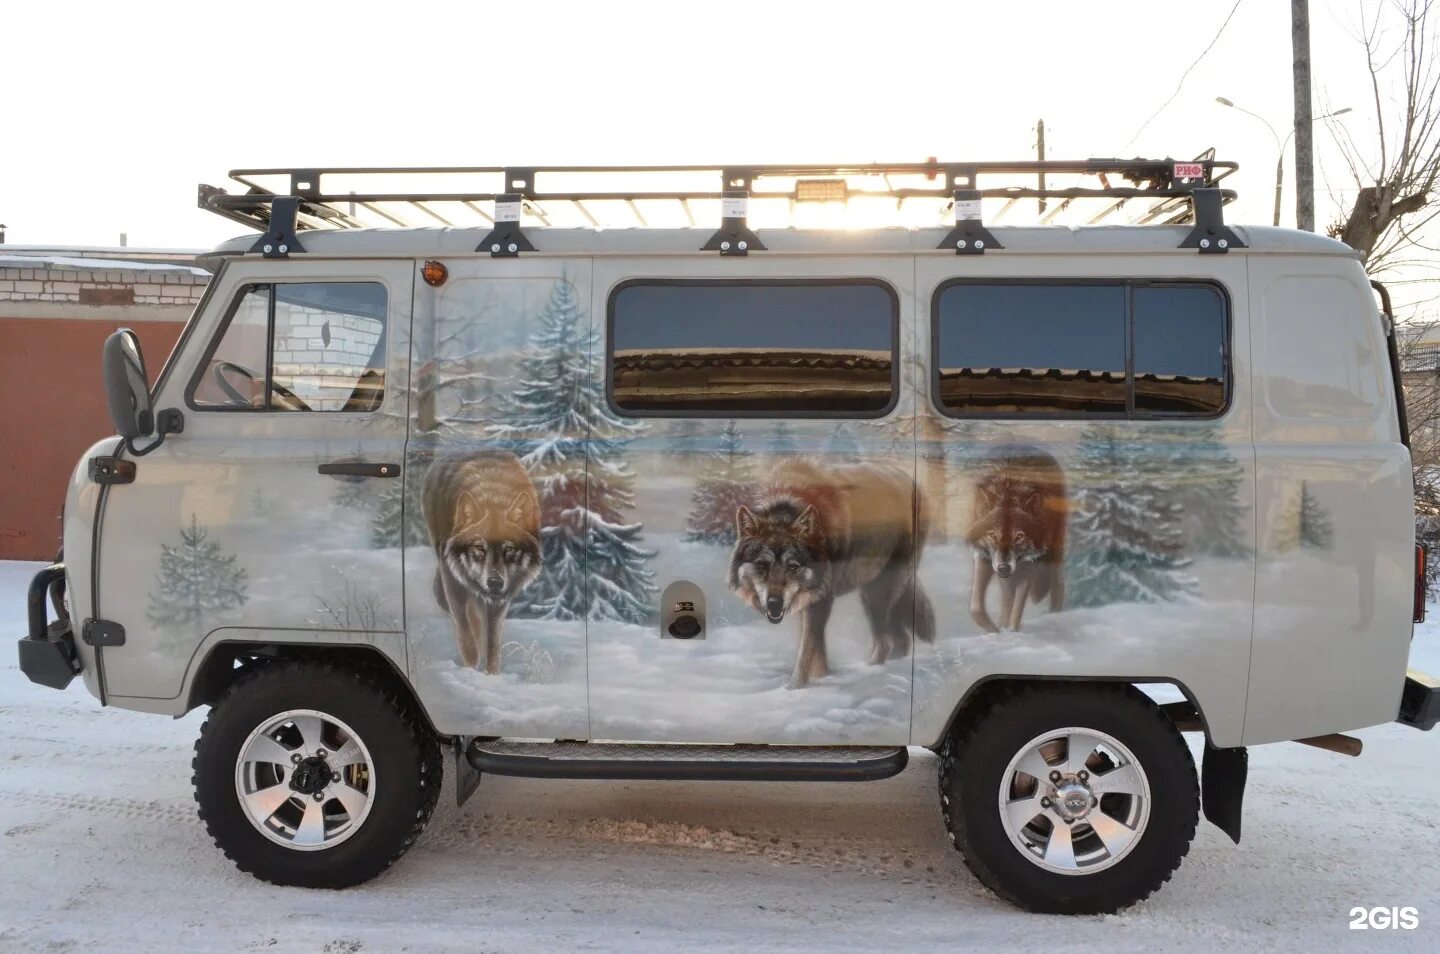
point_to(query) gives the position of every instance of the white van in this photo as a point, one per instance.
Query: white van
(516, 493)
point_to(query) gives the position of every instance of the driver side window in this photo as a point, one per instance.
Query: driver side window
(304, 346)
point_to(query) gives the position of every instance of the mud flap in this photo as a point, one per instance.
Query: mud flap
(467, 777)
(1222, 787)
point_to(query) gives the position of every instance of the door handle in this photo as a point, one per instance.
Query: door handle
(359, 468)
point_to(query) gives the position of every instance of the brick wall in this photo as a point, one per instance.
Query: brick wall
(99, 287)
(55, 312)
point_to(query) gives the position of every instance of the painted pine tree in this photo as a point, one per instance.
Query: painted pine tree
(1206, 482)
(399, 513)
(1125, 543)
(782, 440)
(196, 580)
(559, 423)
(1304, 524)
(685, 445)
(728, 484)
(842, 444)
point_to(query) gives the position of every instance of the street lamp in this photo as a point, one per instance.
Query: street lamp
(1279, 144)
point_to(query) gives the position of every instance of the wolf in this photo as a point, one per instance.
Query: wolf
(1017, 532)
(818, 532)
(483, 517)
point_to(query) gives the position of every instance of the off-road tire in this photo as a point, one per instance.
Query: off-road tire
(975, 756)
(407, 760)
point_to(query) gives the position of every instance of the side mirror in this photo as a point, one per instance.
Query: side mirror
(126, 388)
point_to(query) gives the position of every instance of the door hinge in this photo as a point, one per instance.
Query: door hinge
(112, 470)
(102, 632)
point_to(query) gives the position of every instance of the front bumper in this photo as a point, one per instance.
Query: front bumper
(1420, 701)
(47, 651)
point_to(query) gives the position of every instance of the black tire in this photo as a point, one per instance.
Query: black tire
(974, 759)
(405, 753)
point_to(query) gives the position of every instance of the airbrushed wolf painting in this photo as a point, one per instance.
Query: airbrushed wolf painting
(852, 570)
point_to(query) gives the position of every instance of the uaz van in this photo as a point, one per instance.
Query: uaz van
(548, 475)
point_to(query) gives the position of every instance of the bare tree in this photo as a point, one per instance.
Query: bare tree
(1397, 181)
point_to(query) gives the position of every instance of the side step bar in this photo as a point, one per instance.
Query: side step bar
(728, 763)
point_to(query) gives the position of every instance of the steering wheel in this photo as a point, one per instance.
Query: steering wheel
(220, 368)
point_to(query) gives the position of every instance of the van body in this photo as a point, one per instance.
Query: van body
(838, 495)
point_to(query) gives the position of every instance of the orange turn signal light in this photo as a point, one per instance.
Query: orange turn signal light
(434, 273)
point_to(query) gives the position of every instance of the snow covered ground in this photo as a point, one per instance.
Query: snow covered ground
(100, 849)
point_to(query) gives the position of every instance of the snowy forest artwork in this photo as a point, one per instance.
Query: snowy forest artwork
(197, 582)
(1157, 519)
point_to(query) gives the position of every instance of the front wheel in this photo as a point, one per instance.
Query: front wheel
(1070, 799)
(313, 775)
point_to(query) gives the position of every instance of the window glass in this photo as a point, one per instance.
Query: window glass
(753, 348)
(327, 350)
(1031, 349)
(1122, 348)
(236, 373)
(1179, 361)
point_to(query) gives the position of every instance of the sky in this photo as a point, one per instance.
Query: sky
(117, 110)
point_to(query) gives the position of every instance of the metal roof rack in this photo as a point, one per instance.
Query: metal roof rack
(285, 203)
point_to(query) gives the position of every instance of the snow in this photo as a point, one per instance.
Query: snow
(100, 849)
(92, 264)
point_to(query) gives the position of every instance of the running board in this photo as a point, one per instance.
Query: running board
(726, 763)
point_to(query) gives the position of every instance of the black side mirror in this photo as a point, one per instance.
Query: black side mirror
(126, 387)
(127, 390)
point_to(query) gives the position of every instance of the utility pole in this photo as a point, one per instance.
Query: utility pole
(1304, 131)
(1040, 154)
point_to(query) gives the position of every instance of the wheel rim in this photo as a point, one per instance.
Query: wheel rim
(305, 780)
(1074, 801)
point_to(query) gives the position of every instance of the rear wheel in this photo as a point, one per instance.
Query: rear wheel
(314, 775)
(1070, 799)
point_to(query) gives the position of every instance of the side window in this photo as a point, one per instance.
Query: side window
(753, 348)
(304, 346)
(1031, 349)
(1113, 349)
(1179, 342)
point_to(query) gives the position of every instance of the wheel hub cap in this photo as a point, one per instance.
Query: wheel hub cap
(1072, 800)
(311, 776)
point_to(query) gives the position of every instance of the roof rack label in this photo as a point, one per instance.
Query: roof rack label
(967, 210)
(1189, 170)
(507, 211)
(734, 207)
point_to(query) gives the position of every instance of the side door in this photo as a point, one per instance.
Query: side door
(494, 521)
(1088, 418)
(751, 572)
(230, 529)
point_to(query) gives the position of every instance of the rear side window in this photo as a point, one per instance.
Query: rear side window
(304, 346)
(1107, 349)
(753, 348)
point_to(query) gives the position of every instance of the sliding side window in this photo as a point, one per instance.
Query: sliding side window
(304, 346)
(1096, 349)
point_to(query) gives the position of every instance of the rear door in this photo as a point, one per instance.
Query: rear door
(752, 497)
(230, 530)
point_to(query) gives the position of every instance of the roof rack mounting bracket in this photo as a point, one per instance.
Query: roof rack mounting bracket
(969, 236)
(1210, 235)
(734, 236)
(506, 240)
(279, 239)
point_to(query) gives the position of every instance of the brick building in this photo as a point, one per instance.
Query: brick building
(57, 306)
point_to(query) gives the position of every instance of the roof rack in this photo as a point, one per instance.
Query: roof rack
(284, 203)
